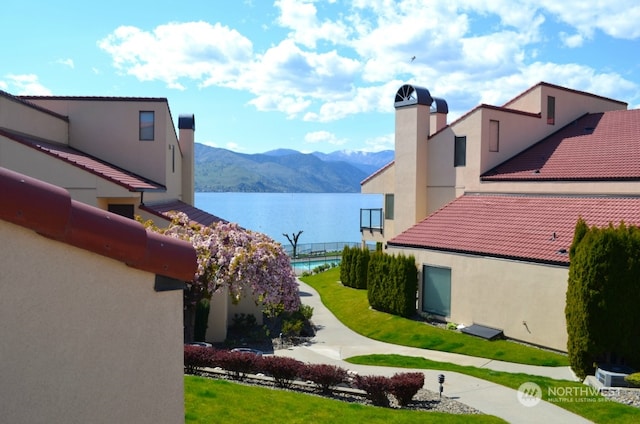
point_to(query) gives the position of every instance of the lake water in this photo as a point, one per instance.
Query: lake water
(323, 217)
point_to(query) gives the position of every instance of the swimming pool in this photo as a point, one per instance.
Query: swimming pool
(308, 265)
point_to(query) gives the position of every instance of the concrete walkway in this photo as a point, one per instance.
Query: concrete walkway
(334, 342)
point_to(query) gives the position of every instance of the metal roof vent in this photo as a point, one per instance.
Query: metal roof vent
(411, 95)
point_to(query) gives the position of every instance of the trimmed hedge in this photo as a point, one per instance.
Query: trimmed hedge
(393, 284)
(284, 370)
(603, 294)
(354, 267)
(324, 376)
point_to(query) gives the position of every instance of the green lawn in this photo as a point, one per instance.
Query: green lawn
(352, 308)
(218, 401)
(584, 403)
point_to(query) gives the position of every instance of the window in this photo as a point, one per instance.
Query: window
(436, 290)
(388, 206)
(147, 125)
(494, 135)
(460, 151)
(121, 209)
(551, 110)
(173, 157)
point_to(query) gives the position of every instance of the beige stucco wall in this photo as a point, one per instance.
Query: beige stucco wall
(82, 185)
(27, 120)
(85, 339)
(222, 311)
(503, 294)
(109, 130)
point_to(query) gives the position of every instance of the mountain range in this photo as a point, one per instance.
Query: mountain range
(284, 170)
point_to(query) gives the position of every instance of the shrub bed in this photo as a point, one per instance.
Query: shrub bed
(284, 371)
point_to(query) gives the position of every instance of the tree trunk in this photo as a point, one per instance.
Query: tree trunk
(189, 322)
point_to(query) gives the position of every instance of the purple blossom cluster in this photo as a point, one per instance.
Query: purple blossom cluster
(243, 261)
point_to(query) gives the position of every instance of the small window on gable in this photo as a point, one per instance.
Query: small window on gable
(494, 135)
(551, 110)
(460, 151)
(147, 122)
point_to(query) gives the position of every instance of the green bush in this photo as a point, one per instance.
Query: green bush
(633, 379)
(603, 292)
(392, 284)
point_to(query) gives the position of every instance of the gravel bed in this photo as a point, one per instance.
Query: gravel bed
(424, 400)
(630, 397)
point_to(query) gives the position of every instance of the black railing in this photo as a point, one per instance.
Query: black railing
(371, 220)
(318, 250)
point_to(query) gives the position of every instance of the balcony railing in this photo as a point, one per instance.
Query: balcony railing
(371, 220)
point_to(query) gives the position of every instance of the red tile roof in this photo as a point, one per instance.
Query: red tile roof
(126, 179)
(597, 146)
(195, 215)
(521, 227)
(50, 211)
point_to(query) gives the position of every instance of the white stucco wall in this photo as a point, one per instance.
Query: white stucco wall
(85, 339)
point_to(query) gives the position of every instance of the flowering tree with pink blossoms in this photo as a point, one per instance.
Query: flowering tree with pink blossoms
(243, 261)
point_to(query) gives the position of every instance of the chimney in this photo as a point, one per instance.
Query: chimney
(439, 110)
(186, 138)
(412, 125)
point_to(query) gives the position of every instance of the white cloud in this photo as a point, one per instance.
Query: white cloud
(323, 137)
(66, 62)
(329, 66)
(197, 51)
(377, 144)
(617, 19)
(301, 17)
(572, 41)
(26, 84)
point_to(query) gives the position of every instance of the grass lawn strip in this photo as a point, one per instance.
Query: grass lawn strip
(351, 306)
(573, 396)
(219, 401)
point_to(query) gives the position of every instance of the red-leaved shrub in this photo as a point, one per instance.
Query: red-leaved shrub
(375, 387)
(284, 370)
(238, 363)
(404, 386)
(197, 357)
(324, 376)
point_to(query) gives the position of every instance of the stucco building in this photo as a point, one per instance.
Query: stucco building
(90, 311)
(120, 154)
(488, 203)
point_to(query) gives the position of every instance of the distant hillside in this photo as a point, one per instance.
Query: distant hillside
(283, 170)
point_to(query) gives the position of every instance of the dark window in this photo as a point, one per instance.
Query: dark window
(173, 158)
(147, 121)
(551, 110)
(494, 135)
(122, 210)
(388, 206)
(460, 151)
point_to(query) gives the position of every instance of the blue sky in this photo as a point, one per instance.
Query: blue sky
(316, 75)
